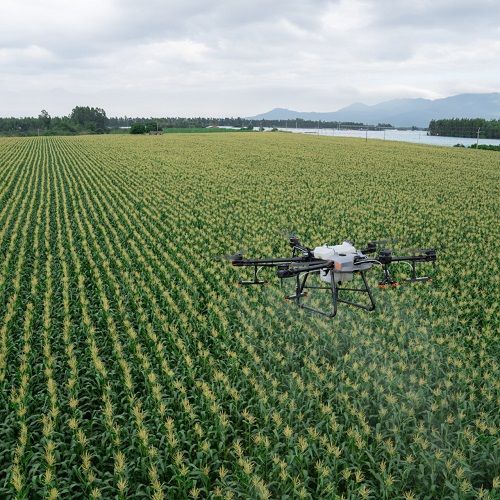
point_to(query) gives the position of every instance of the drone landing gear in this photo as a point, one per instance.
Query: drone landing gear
(255, 280)
(335, 289)
(387, 280)
(413, 278)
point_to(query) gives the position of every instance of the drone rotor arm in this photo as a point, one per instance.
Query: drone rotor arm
(423, 256)
(316, 265)
(271, 262)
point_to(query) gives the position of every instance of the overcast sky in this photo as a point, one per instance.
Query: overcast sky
(241, 57)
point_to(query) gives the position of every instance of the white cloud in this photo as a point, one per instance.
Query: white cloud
(25, 55)
(234, 57)
(55, 22)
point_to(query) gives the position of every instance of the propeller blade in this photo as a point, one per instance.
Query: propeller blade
(234, 256)
(413, 251)
(287, 233)
(384, 241)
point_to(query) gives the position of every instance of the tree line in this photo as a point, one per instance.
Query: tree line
(93, 120)
(81, 120)
(465, 127)
(200, 122)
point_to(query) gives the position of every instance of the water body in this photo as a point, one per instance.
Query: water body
(395, 135)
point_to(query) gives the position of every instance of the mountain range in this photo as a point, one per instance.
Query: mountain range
(402, 112)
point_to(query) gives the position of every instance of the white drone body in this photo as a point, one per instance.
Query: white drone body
(343, 256)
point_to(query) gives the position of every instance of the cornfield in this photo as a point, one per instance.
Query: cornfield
(132, 366)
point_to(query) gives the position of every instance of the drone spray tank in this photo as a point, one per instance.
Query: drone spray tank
(346, 260)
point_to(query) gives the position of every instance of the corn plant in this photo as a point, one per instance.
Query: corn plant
(131, 366)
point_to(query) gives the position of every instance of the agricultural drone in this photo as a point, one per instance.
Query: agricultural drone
(335, 265)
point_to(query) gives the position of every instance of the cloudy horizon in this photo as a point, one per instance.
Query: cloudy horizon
(234, 58)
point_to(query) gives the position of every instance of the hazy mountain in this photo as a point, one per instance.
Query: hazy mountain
(402, 112)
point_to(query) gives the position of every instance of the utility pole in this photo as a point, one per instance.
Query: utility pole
(318, 127)
(366, 138)
(477, 140)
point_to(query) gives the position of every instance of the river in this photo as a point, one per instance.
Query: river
(415, 136)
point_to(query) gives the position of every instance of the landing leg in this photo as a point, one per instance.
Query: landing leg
(256, 280)
(366, 290)
(414, 276)
(335, 290)
(299, 289)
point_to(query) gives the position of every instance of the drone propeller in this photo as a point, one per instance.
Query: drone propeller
(235, 256)
(413, 250)
(384, 241)
(291, 236)
(287, 232)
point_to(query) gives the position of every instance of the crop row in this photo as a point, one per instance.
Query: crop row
(130, 364)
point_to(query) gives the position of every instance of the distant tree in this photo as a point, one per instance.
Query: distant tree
(92, 119)
(490, 147)
(137, 128)
(44, 119)
(151, 127)
(466, 127)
